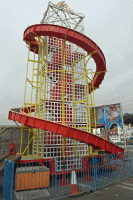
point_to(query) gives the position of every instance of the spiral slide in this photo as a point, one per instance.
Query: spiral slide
(89, 46)
(72, 36)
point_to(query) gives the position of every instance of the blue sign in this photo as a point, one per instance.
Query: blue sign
(108, 115)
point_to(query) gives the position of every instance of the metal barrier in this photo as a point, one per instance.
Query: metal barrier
(97, 171)
(8, 180)
(76, 176)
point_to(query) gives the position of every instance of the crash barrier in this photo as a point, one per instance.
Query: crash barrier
(8, 180)
(68, 177)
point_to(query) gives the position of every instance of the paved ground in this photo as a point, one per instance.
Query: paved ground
(117, 191)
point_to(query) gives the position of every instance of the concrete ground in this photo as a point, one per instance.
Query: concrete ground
(119, 191)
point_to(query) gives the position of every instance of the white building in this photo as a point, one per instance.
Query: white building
(116, 134)
(120, 133)
(128, 131)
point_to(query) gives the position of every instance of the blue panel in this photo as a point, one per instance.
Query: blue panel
(8, 180)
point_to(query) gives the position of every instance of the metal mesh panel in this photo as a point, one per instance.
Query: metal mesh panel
(74, 87)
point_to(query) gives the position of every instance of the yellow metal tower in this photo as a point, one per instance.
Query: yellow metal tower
(60, 88)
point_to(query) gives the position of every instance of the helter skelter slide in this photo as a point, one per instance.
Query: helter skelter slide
(60, 114)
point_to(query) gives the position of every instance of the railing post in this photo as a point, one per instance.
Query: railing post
(12, 176)
(116, 167)
(55, 178)
(95, 171)
(128, 164)
(8, 180)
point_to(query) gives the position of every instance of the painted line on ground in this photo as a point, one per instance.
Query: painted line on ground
(128, 184)
(125, 187)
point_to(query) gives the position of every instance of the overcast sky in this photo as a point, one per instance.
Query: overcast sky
(109, 23)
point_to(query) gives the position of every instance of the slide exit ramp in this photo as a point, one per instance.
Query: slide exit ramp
(92, 140)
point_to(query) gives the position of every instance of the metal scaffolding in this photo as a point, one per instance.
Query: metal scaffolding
(60, 88)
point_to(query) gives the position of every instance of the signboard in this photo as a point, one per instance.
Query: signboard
(109, 114)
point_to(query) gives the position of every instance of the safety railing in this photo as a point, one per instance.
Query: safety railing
(8, 180)
(43, 179)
